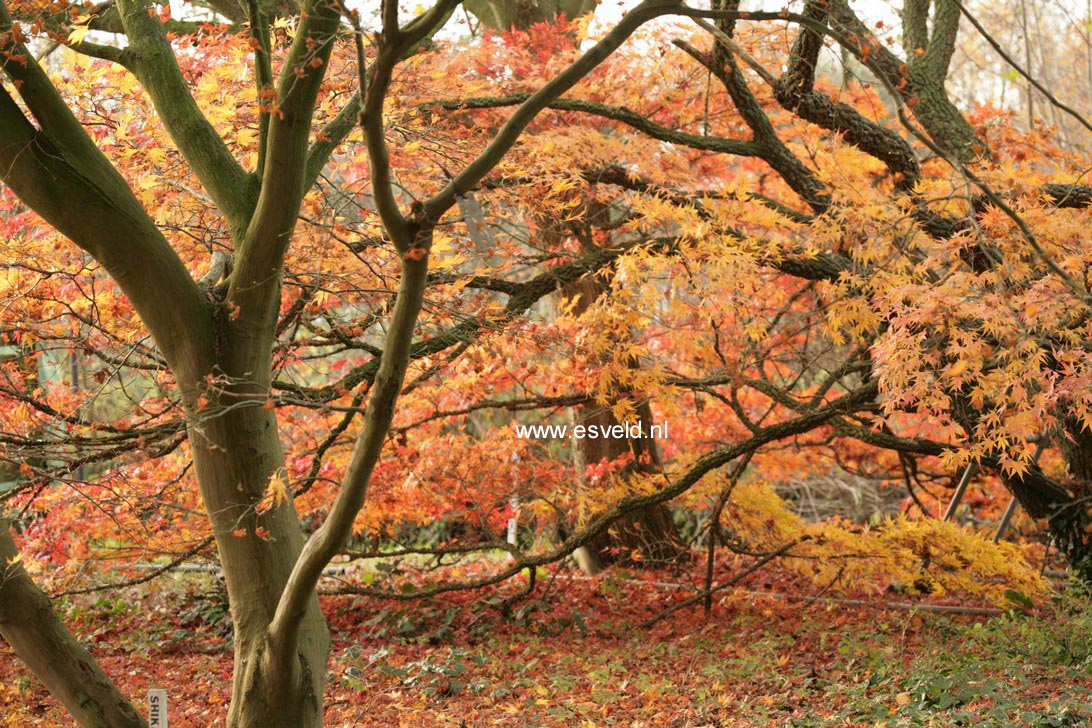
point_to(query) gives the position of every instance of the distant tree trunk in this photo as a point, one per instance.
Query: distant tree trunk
(522, 14)
(647, 536)
(1070, 523)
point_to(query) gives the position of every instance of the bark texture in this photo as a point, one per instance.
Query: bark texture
(645, 536)
(236, 453)
(1070, 521)
(30, 625)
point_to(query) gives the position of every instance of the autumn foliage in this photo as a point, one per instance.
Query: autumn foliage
(693, 292)
(793, 301)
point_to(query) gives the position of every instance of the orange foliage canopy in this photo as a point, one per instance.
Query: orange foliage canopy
(832, 334)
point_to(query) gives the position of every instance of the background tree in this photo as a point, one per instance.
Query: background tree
(829, 257)
(1049, 42)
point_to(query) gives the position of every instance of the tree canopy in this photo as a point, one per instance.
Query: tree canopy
(299, 282)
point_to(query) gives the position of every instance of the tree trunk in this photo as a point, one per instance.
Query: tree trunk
(1070, 523)
(237, 453)
(521, 14)
(33, 629)
(647, 536)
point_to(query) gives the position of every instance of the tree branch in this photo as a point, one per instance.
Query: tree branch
(622, 114)
(413, 37)
(155, 65)
(331, 536)
(474, 172)
(938, 53)
(30, 625)
(259, 257)
(771, 148)
(795, 92)
(263, 76)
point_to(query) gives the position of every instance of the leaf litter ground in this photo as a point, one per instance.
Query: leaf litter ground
(573, 653)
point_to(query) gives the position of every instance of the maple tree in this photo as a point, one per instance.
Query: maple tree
(857, 267)
(851, 287)
(763, 260)
(216, 335)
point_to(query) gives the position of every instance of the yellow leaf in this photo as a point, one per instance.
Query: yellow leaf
(78, 33)
(278, 489)
(956, 369)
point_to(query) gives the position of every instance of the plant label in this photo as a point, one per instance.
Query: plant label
(157, 709)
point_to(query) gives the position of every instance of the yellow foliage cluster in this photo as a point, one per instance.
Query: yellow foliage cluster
(929, 555)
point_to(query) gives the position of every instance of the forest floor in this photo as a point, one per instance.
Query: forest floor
(577, 653)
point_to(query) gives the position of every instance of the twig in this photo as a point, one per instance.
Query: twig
(904, 606)
(714, 527)
(158, 571)
(731, 582)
